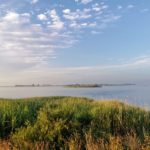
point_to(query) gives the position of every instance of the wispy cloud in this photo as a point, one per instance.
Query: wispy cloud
(24, 43)
(138, 62)
(127, 71)
(119, 7)
(144, 10)
(31, 38)
(96, 16)
(130, 6)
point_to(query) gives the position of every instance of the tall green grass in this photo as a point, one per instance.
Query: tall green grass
(64, 122)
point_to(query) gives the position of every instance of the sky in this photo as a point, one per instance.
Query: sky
(74, 41)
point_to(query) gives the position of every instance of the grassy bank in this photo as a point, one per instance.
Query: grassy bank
(73, 123)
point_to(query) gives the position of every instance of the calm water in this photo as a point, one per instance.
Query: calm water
(139, 95)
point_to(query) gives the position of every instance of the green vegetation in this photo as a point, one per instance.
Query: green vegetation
(95, 85)
(83, 85)
(73, 124)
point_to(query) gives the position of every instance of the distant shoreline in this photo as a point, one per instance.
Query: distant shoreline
(72, 85)
(96, 85)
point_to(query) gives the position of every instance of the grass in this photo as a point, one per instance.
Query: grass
(73, 124)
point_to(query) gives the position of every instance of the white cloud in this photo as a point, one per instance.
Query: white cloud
(28, 43)
(130, 6)
(77, 15)
(95, 32)
(99, 7)
(92, 24)
(42, 17)
(123, 72)
(11, 16)
(34, 1)
(96, 16)
(144, 10)
(140, 61)
(14, 17)
(56, 21)
(66, 11)
(135, 63)
(25, 44)
(119, 7)
(84, 1)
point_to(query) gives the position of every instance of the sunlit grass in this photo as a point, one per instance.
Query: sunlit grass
(73, 123)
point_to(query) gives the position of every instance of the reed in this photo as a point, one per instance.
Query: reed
(73, 123)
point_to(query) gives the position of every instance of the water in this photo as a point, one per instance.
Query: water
(138, 95)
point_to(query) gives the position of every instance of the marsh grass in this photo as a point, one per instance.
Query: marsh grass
(73, 124)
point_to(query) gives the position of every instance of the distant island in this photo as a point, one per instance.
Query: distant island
(33, 85)
(75, 85)
(84, 85)
(96, 85)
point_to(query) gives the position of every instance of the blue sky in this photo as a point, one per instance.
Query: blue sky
(74, 41)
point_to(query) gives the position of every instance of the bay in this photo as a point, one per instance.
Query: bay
(136, 94)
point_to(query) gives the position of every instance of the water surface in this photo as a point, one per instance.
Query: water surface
(139, 95)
